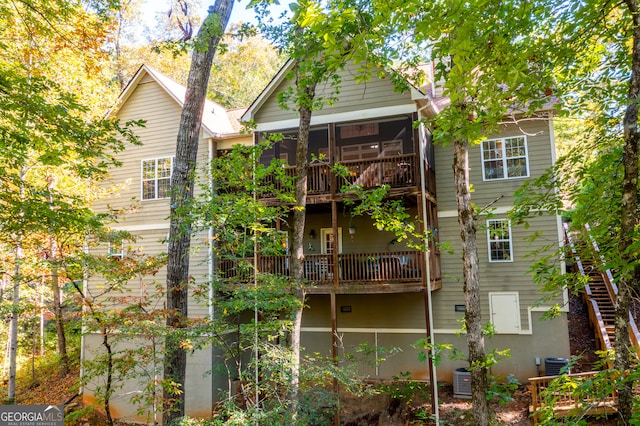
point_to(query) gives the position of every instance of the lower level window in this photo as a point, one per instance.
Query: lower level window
(499, 240)
(115, 249)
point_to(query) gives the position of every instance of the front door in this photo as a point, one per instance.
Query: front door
(328, 245)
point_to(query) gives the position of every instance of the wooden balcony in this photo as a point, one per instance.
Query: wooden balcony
(380, 272)
(400, 171)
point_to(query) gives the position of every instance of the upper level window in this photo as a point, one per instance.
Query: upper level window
(156, 178)
(499, 240)
(115, 249)
(358, 130)
(360, 152)
(505, 158)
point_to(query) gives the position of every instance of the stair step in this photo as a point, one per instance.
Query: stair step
(597, 287)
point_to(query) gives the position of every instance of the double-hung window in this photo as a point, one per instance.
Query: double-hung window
(499, 240)
(156, 178)
(505, 158)
(115, 249)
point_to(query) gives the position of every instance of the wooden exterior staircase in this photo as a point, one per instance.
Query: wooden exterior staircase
(599, 295)
(600, 292)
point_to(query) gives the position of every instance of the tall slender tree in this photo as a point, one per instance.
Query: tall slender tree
(182, 186)
(44, 126)
(629, 278)
(313, 62)
(488, 65)
(597, 59)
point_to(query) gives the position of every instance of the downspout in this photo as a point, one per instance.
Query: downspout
(85, 291)
(210, 262)
(427, 291)
(256, 317)
(85, 285)
(210, 232)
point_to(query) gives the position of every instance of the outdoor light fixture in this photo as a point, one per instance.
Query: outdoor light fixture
(312, 234)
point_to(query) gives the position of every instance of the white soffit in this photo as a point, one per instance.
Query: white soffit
(363, 114)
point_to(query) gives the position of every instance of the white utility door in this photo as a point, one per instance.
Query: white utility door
(505, 312)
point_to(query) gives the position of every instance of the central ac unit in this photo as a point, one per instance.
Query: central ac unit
(553, 366)
(462, 383)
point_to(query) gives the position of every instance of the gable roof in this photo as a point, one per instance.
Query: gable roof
(416, 93)
(267, 91)
(215, 119)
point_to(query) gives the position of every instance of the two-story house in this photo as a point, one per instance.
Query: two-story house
(367, 286)
(364, 285)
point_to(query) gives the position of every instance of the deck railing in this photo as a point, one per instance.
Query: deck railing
(595, 317)
(397, 171)
(374, 267)
(563, 401)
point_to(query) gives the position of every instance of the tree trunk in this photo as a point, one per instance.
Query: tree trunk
(15, 307)
(628, 222)
(473, 320)
(182, 183)
(55, 290)
(13, 326)
(57, 307)
(109, 375)
(299, 212)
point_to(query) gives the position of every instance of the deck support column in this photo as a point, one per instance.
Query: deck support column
(334, 315)
(426, 285)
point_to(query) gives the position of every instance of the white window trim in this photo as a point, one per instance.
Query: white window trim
(494, 309)
(504, 158)
(489, 241)
(142, 179)
(112, 249)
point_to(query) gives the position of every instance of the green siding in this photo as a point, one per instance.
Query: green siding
(401, 311)
(376, 93)
(540, 158)
(161, 113)
(150, 102)
(549, 339)
(367, 238)
(494, 277)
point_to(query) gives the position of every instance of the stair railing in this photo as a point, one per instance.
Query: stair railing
(612, 289)
(595, 316)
